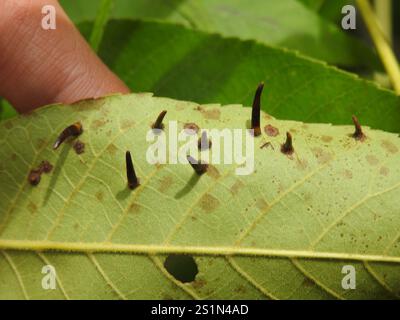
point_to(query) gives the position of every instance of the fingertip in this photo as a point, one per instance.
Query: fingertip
(40, 67)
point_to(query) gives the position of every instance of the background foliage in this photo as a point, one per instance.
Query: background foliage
(310, 27)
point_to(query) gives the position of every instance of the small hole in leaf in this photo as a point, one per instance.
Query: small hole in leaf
(181, 267)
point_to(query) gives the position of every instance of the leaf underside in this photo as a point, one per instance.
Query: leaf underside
(283, 232)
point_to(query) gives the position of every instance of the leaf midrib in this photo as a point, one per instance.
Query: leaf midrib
(141, 249)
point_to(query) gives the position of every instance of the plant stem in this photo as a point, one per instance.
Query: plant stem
(100, 23)
(383, 9)
(384, 49)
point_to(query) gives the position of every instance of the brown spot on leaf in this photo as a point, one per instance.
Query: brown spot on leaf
(372, 160)
(45, 167)
(271, 130)
(180, 106)
(112, 149)
(384, 171)
(308, 283)
(199, 283)
(191, 128)
(307, 197)
(99, 196)
(126, 124)
(322, 155)
(79, 147)
(165, 183)
(213, 172)
(211, 114)
(261, 204)
(209, 203)
(135, 208)
(240, 290)
(98, 123)
(34, 177)
(236, 187)
(389, 146)
(32, 207)
(40, 143)
(347, 174)
(326, 139)
(13, 157)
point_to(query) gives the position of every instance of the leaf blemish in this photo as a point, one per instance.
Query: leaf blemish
(213, 172)
(99, 195)
(32, 207)
(96, 124)
(191, 128)
(236, 187)
(165, 183)
(126, 124)
(327, 139)
(45, 166)
(79, 147)
(322, 155)
(211, 114)
(209, 203)
(389, 147)
(135, 208)
(261, 204)
(112, 149)
(384, 171)
(35, 175)
(372, 160)
(271, 131)
(199, 283)
(348, 174)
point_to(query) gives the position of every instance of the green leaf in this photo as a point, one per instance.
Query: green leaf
(6, 110)
(313, 4)
(173, 61)
(284, 232)
(331, 10)
(100, 23)
(284, 23)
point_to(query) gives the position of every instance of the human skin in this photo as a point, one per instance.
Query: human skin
(39, 67)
